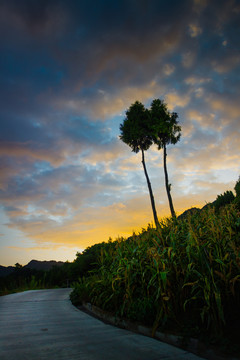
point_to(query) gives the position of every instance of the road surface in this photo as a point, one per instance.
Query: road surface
(44, 325)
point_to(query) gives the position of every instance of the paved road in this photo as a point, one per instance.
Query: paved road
(43, 324)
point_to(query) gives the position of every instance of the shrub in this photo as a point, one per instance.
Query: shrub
(79, 294)
(224, 199)
(237, 190)
(237, 187)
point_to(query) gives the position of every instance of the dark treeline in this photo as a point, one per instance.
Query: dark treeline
(24, 278)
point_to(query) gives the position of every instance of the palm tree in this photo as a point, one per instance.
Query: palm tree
(134, 132)
(164, 130)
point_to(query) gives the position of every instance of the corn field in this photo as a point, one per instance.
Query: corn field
(185, 272)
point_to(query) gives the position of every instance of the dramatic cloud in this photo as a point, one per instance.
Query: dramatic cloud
(69, 71)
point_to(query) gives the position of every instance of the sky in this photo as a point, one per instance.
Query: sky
(69, 71)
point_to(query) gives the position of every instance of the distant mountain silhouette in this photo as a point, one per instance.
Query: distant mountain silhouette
(33, 264)
(43, 265)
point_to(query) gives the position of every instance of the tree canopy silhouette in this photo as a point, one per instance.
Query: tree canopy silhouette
(135, 133)
(164, 130)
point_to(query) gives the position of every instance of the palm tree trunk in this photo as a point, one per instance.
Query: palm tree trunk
(168, 186)
(150, 191)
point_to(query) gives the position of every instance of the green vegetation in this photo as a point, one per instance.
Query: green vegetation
(22, 279)
(224, 199)
(237, 190)
(182, 277)
(186, 268)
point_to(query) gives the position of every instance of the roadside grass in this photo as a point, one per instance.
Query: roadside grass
(183, 277)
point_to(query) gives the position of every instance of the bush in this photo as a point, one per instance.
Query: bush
(237, 187)
(224, 199)
(237, 190)
(79, 295)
